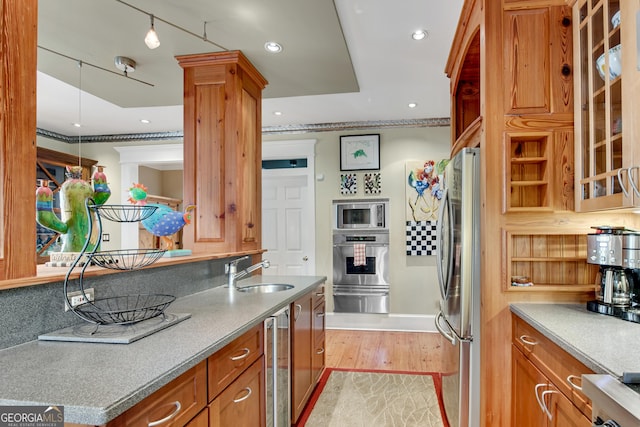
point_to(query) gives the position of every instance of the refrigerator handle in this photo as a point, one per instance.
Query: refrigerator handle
(439, 228)
(448, 336)
(452, 335)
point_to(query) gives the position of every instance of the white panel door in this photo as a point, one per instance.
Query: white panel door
(286, 233)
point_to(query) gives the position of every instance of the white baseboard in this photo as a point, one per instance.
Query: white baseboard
(381, 322)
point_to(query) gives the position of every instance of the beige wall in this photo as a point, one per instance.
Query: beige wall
(414, 288)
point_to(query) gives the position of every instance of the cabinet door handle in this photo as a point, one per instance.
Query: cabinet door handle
(320, 314)
(570, 379)
(622, 187)
(319, 294)
(245, 353)
(631, 180)
(168, 417)
(247, 391)
(544, 403)
(528, 340)
(320, 351)
(538, 395)
(299, 308)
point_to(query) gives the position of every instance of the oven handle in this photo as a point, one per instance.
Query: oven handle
(350, 245)
(360, 294)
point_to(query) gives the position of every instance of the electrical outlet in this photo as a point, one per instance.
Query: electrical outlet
(76, 298)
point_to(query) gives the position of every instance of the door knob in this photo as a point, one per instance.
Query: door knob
(305, 258)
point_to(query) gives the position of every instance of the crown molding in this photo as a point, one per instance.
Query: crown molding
(266, 130)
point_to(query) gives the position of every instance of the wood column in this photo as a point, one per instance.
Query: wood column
(222, 151)
(18, 58)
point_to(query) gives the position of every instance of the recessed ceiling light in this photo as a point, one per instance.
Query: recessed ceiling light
(420, 34)
(145, 121)
(412, 105)
(273, 47)
(277, 113)
(76, 125)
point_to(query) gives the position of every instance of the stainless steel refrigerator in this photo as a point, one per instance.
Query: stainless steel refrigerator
(458, 262)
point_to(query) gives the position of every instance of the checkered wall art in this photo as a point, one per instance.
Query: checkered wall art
(423, 193)
(421, 238)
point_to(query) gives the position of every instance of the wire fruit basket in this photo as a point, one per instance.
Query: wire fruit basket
(124, 310)
(118, 310)
(123, 213)
(126, 259)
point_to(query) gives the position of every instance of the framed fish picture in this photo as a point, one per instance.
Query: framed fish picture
(360, 152)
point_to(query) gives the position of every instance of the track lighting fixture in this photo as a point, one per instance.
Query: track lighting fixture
(151, 39)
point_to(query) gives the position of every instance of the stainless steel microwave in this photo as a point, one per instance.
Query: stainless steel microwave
(362, 213)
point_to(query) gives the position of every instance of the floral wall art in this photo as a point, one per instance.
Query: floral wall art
(348, 183)
(372, 183)
(423, 193)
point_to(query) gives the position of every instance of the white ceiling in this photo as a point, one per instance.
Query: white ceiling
(343, 61)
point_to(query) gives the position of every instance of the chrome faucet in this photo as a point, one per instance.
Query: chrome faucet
(231, 269)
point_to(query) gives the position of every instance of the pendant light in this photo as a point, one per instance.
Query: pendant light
(151, 39)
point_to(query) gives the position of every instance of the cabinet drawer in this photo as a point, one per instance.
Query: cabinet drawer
(243, 402)
(317, 296)
(173, 405)
(225, 365)
(558, 365)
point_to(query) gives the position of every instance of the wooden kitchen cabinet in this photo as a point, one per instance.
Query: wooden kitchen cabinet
(227, 364)
(318, 335)
(526, 412)
(463, 70)
(537, 100)
(235, 381)
(174, 405)
(607, 129)
(201, 420)
(545, 381)
(222, 151)
(533, 393)
(307, 348)
(538, 108)
(243, 402)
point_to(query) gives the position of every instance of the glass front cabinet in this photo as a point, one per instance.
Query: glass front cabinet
(607, 91)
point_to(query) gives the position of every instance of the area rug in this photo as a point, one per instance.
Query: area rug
(348, 398)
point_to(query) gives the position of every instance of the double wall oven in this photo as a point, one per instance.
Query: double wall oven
(361, 256)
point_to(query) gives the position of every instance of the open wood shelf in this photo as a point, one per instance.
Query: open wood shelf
(528, 173)
(552, 262)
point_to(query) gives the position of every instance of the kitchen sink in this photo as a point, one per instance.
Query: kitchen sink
(266, 288)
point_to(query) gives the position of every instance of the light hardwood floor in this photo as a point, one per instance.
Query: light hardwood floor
(381, 350)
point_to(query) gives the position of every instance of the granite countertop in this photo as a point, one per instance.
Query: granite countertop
(605, 344)
(96, 382)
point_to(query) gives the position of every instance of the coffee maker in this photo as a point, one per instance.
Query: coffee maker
(617, 252)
